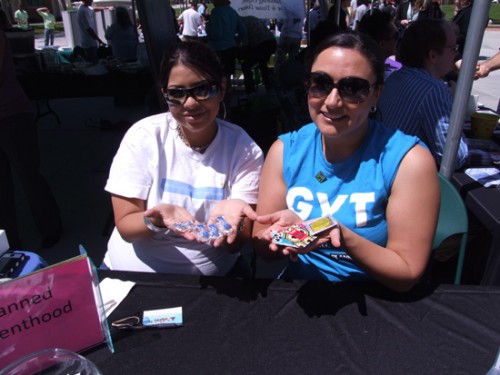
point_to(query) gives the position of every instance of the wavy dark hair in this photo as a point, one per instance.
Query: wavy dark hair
(195, 55)
(355, 41)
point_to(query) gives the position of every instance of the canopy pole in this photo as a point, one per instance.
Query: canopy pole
(479, 19)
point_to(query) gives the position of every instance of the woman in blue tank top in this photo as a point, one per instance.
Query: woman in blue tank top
(379, 184)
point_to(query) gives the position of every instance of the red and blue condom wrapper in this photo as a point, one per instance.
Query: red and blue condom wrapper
(302, 234)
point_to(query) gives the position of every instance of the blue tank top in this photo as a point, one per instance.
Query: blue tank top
(355, 191)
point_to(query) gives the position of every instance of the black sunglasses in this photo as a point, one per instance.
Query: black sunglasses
(179, 95)
(351, 89)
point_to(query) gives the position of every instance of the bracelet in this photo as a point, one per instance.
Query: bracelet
(154, 228)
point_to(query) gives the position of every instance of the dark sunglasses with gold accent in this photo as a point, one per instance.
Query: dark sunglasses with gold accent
(179, 95)
(351, 89)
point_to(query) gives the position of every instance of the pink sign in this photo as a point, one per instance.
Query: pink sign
(52, 308)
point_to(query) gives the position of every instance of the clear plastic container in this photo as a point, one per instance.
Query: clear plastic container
(51, 362)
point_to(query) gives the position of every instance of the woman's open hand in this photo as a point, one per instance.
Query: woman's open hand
(234, 212)
(283, 219)
(167, 215)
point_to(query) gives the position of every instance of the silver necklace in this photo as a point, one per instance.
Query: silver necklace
(201, 149)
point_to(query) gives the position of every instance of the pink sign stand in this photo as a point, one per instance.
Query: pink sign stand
(56, 307)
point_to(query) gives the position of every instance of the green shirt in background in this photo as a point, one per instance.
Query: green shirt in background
(49, 20)
(21, 17)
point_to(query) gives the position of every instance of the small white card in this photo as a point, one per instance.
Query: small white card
(488, 177)
(163, 318)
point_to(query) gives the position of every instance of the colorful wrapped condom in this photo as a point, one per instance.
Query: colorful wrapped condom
(302, 234)
(184, 226)
(201, 232)
(224, 227)
(213, 231)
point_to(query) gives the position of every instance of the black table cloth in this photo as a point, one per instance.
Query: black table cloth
(126, 88)
(484, 203)
(234, 326)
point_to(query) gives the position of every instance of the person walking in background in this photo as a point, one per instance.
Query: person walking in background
(431, 9)
(352, 12)
(225, 32)
(415, 98)
(344, 16)
(404, 14)
(313, 17)
(418, 7)
(21, 17)
(289, 43)
(389, 7)
(49, 25)
(257, 48)
(122, 36)
(19, 151)
(361, 10)
(462, 20)
(190, 20)
(202, 9)
(89, 40)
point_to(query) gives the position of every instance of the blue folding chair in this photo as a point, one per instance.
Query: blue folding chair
(452, 220)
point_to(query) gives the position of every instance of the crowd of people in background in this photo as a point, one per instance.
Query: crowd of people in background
(226, 33)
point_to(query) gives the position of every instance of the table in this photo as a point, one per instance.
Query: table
(484, 203)
(47, 85)
(234, 326)
(127, 88)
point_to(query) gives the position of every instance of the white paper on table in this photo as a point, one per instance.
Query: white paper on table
(488, 177)
(113, 292)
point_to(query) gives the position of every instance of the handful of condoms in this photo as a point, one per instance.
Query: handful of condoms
(302, 234)
(206, 232)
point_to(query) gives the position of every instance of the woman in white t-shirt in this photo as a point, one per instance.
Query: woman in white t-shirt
(184, 166)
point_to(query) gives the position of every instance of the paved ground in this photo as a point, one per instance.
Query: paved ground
(77, 155)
